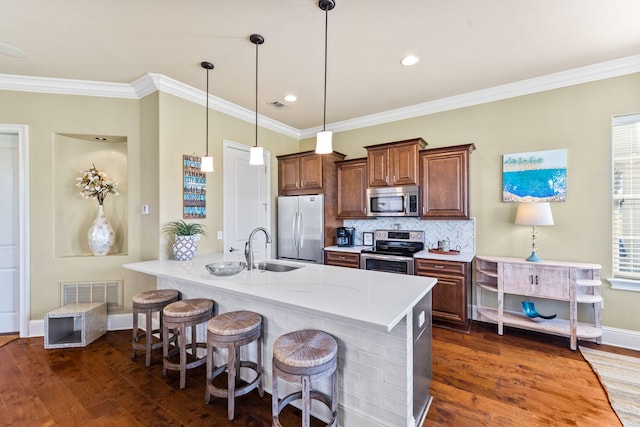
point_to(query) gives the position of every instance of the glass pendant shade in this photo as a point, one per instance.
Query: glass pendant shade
(255, 156)
(206, 164)
(323, 142)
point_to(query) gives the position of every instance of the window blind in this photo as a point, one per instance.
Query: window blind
(626, 196)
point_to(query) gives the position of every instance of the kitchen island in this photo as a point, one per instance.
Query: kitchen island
(382, 322)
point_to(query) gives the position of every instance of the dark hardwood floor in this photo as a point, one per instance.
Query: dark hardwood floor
(479, 379)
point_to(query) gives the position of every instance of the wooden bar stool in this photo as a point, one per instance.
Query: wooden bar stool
(148, 303)
(178, 316)
(233, 330)
(302, 357)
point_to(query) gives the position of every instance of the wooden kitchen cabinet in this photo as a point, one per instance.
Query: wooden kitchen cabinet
(342, 259)
(352, 188)
(573, 282)
(306, 172)
(444, 182)
(451, 297)
(394, 163)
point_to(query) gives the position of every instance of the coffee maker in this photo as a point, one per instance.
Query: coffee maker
(345, 236)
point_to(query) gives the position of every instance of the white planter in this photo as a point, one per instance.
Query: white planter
(184, 248)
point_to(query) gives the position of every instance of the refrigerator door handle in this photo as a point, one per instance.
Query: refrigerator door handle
(294, 226)
(301, 230)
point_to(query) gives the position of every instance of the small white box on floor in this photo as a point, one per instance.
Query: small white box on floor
(75, 325)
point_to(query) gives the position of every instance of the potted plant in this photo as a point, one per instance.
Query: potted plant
(185, 236)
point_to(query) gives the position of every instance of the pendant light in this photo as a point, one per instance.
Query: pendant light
(255, 154)
(206, 164)
(323, 138)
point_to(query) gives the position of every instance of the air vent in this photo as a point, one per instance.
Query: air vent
(111, 292)
(277, 104)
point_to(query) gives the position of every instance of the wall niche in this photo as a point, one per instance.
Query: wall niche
(73, 214)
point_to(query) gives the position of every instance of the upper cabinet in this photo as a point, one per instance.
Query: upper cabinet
(444, 182)
(394, 163)
(352, 188)
(306, 172)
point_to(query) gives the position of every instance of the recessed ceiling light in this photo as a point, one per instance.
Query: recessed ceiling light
(291, 98)
(409, 60)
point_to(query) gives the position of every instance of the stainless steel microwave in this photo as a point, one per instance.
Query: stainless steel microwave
(392, 201)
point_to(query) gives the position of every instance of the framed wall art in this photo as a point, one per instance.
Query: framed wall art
(536, 176)
(194, 195)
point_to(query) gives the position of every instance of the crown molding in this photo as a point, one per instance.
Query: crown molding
(140, 88)
(152, 82)
(589, 73)
(66, 86)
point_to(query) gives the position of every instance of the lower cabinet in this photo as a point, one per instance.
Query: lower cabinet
(342, 259)
(451, 297)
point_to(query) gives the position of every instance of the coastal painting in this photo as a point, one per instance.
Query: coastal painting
(536, 176)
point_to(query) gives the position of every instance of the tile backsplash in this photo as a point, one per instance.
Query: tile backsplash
(461, 234)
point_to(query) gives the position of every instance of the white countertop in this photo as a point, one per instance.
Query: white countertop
(352, 249)
(377, 298)
(460, 257)
(425, 254)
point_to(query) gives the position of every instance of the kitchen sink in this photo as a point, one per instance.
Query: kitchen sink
(272, 266)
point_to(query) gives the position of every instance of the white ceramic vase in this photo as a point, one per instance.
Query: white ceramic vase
(100, 235)
(184, 248)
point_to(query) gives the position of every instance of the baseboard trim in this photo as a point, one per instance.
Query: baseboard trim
(621, 338)
(115, 322)
(616, 337)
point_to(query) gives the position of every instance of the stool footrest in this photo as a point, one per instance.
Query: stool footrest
(239, 391)
(313, 394)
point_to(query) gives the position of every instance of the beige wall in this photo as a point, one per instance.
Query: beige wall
(158, 129)
(577, 118)
(48, 117)
(161, 128)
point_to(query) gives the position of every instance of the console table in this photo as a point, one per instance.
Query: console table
(576, 283)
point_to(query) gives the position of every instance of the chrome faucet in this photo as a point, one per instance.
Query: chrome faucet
(248, 250)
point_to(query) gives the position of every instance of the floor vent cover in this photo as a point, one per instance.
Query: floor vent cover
(111, 292)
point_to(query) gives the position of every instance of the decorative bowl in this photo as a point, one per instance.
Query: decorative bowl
(227, 268)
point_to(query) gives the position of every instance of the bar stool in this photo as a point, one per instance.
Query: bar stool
(148, 303)
(302, 357)
(233, 330)
(178, 316)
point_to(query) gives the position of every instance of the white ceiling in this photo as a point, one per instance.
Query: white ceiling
(464, 46)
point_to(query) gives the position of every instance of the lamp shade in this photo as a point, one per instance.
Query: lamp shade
(255, 156)
(323, 142)
(531, 213)
(206, 164)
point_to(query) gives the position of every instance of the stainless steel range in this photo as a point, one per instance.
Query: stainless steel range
(393, 251)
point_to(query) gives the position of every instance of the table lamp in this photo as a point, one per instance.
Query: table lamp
(531, 213)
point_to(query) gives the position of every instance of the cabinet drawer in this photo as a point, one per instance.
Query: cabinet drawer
(424, 266)
(342, 259)
(539, 281)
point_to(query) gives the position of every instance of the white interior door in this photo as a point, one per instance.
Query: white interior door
(9, 234)
(246, 200)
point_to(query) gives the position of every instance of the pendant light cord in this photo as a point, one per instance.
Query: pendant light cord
(326, 26)
(207, 109)
(256, 94)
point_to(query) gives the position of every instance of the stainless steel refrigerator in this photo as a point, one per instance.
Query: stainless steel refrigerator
(301, 227)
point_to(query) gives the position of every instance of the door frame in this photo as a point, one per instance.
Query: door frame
(23, 223)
